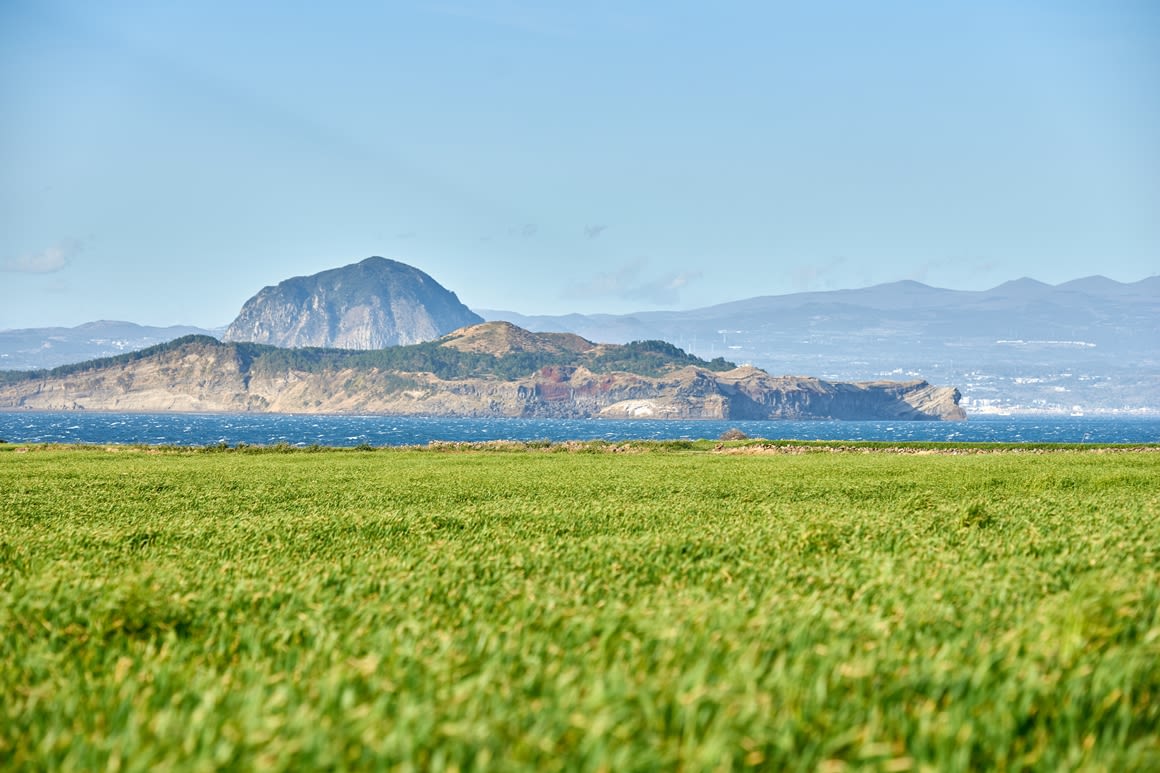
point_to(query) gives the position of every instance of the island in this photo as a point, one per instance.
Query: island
(494, 369)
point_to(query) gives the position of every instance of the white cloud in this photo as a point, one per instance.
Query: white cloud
(47, 261)
(629, 283)
(817, 276)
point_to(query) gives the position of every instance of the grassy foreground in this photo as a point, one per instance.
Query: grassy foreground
(542, 609)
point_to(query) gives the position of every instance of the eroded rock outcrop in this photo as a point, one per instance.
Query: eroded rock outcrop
(367, 305)
(575, 379)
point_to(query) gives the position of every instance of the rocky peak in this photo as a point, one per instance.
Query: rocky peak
(367, 305)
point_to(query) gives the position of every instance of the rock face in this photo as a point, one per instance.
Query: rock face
(202, 374)
(368, 305)
(750, 393)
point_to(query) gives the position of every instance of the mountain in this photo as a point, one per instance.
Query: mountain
(1089, 345)
(1092, 344)
(366, 305)
(47, 347)
(492, 369)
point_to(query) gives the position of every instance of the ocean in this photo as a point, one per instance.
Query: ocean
(184, 429)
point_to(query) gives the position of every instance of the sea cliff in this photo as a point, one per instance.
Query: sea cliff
(494, 369)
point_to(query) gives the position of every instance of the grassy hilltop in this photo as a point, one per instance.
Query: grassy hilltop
(582, 607)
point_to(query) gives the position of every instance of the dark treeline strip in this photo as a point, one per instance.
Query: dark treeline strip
(645, 358)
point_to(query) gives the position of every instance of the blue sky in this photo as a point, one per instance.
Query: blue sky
(160, 162)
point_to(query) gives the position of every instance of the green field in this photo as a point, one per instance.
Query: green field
(585, 607)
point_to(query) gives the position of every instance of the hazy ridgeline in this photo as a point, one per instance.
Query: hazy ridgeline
(571, 607)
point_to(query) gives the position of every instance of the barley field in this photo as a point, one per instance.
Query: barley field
(664, 606)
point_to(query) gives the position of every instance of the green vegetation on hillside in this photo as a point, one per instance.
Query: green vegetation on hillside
(580, 606)
(646, 358)
(18, 376)
(651, 358)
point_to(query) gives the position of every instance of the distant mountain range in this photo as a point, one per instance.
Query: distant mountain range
(47, 347)
(1088, 345)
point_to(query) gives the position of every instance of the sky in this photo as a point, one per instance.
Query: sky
(161, 162)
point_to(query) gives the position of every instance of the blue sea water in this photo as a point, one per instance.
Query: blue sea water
(300, 430)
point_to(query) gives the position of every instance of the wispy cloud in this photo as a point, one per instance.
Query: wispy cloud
(921, 272)
(983, 268)
(47, 261)
(954, 269)
(817, 276)
(630, 282)
(594, 231)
